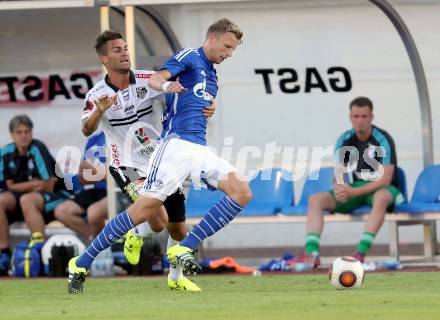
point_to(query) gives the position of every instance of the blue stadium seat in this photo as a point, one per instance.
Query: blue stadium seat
(271, 189)
(318, 181)
(426, 193)
(403, 188)
(200, 200)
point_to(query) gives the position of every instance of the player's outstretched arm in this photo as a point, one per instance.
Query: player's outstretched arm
(159, 81)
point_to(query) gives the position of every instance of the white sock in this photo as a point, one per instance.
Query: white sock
(175, 272)
(143, 230)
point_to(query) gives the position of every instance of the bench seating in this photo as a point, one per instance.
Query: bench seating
(19, 229)
(424, 208)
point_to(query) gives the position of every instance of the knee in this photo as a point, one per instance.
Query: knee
(315, 200)
(143, 209)
(25, 200)
(157, 226)
(382, 198)
(243, 194)
(60, 212)
(29, 200)
(94, 219)
(96, 216)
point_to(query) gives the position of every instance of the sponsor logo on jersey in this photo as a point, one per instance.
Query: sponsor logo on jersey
(165, 117)
(117, 107)
(147, 150)
(143, 75)
(141, 92)
(129, 109)
(141, 136)
(199, 90)
(88, 106)
(115, 155)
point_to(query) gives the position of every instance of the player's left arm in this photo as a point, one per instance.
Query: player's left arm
(384, 181)
(210, 110)
(344, 191)
(160, 82)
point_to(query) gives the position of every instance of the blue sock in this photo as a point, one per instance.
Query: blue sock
(217, 217)
(115, 229)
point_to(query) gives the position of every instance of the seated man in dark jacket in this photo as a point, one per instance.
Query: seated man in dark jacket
(32, 188)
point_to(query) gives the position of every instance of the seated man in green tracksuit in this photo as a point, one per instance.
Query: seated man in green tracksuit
(368, 154)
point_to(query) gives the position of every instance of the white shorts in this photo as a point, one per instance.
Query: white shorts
(174, 159)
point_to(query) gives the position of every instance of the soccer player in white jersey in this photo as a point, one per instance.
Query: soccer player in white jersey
(182, 152)
(122, 103)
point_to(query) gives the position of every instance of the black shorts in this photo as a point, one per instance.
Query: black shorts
(174, 204)
(88, 197)
(17, 214)
(51, 200)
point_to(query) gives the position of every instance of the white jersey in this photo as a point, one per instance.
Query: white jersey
(130, 126)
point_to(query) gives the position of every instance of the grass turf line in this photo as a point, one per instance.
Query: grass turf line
(412, 296)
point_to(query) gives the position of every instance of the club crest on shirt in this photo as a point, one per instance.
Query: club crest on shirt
(88, 106)
(141, 92)
(158, 184)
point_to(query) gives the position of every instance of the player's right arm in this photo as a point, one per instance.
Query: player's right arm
(98, 108)
(183, 60)
(159, 81)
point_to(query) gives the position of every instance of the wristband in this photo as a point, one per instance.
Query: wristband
(165, 86)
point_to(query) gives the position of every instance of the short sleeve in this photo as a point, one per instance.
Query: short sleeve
(43, 159)
(180, 62)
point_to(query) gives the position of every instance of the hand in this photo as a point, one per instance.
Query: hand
(175, 87)
(210, 110)
(343, 192)
(104, 102)
(37, 185)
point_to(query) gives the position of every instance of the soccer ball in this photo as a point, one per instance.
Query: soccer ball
(346, 273)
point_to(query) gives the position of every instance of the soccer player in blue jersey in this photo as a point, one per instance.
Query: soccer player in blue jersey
(181, 152)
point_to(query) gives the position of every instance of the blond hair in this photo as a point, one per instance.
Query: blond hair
(223, 26)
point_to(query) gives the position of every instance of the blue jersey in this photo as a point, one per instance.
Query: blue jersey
(184, 112)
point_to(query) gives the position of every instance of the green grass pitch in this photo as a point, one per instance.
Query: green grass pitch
(399, 295)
